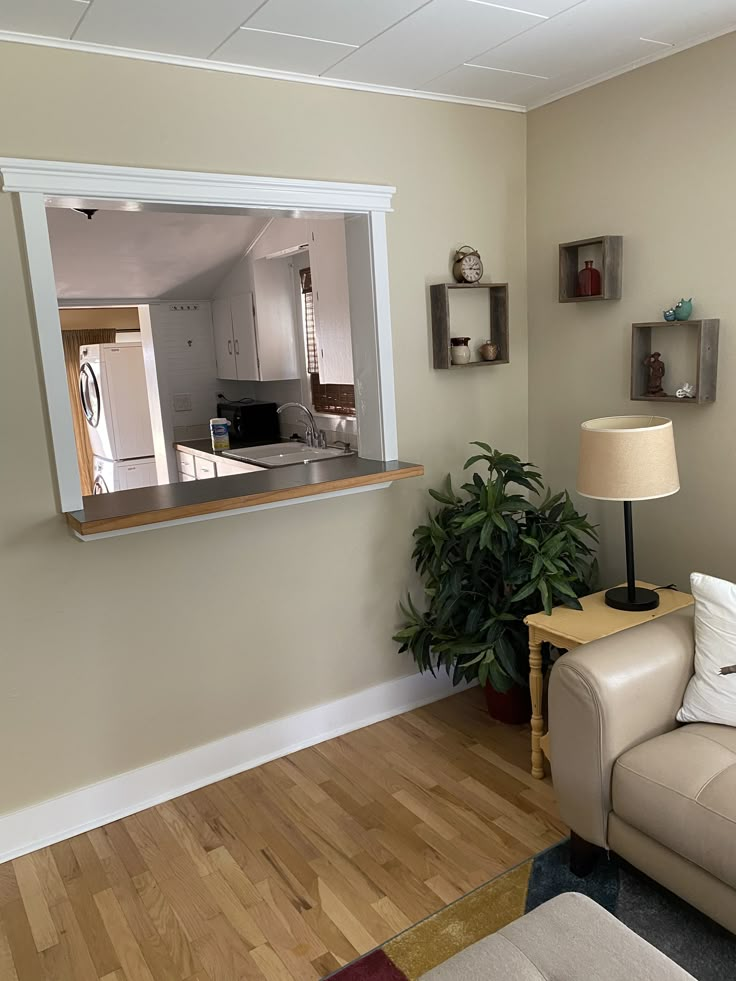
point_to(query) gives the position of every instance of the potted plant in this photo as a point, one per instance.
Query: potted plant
(489, 557)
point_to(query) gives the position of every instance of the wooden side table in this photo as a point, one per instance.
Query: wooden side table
(569, 629)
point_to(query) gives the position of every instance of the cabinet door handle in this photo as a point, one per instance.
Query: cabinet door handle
(229, 347)
(237, 346)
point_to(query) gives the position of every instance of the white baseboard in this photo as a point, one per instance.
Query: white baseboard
(90, 807)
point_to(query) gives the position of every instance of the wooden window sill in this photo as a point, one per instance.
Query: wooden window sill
(150, 506)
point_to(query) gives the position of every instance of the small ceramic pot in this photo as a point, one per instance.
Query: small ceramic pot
(459, 350)
(488, 351)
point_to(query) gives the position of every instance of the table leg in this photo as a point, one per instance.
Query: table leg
(536, 684)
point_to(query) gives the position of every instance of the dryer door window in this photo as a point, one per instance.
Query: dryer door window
(89, 393)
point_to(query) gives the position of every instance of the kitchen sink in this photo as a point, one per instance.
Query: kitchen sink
(284, 454)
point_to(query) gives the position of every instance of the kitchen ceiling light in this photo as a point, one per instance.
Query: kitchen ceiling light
(514, 10)
(301, 37)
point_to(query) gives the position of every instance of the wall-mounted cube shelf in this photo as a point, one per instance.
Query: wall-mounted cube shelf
(704, 370)
(498, 328)
(607, 252)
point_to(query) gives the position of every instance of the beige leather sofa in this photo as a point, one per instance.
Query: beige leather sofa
(629, 778)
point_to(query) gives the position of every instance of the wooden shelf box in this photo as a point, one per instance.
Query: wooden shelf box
(703, 372)
(498, 327)
(607, 253)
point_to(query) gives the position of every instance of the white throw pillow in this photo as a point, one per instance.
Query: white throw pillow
(710, 695)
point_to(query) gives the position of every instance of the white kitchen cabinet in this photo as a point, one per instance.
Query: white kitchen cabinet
(244, 337)
(183, 477)
(328, 262)
(204, 469)
(222, 327)
(273, 286)
(260, 347)
(228, 468)
(185, 463)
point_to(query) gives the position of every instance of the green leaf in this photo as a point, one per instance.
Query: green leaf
(475, 459)
(525, 591)
(546, 598)
(486, 533)
(475, 519)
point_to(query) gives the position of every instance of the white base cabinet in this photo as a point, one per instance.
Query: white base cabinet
(191, 467)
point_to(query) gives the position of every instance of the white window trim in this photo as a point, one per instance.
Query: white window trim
(36, 180)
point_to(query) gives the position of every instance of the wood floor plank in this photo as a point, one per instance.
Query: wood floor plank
(131, 957)
(20, 940)
(287, 871)
(270, 964)
(167, 925)
(345, 920)
(36, 906)
(73, 958)
(223, 955)
(233, 910)
(91, 927)
(7, 964)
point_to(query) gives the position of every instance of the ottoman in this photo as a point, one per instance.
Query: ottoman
(569, 938)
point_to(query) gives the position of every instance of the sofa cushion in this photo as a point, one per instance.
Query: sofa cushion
(680, 789)
(568, 938)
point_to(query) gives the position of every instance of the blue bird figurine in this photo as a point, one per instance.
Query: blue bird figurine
(683, 309)
(669, 315)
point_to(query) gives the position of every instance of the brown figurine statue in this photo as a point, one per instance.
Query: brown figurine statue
(656, 374)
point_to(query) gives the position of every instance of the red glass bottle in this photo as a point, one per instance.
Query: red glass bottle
(589, 280)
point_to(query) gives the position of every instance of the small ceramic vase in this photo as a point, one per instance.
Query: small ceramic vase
(669, 315)
(683, 309)
(459, 350)
(488, 351)
(589, 280)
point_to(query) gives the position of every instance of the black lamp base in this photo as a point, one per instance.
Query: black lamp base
(644, 599)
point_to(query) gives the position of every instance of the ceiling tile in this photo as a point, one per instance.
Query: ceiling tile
(546, 8)
(50, 18)
(334, 20)
(586, 41)
(438, 37)
(673, 21)
(483, 83)
(181, 27)
(260, 49)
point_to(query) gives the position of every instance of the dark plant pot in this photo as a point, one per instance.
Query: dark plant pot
(513, 707)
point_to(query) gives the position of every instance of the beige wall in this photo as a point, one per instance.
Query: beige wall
(123, 651)
(650, 156)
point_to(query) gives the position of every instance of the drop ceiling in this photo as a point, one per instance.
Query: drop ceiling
(147, 255)
(517, 54)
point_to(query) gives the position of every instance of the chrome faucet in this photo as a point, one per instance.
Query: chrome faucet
(314, 437)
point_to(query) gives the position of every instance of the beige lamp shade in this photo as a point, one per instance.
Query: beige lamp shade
(627, 458)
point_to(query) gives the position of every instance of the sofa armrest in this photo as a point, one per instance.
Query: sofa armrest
(606, 697)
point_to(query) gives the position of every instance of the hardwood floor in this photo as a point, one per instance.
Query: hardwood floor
(289, 870)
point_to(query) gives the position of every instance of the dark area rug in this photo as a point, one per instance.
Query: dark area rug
(688, 937)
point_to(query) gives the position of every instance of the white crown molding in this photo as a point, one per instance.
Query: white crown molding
(109, 800)
(632, 66)
(223, 66)
(61, 179)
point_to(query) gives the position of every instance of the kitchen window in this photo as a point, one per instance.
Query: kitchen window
(336, 400)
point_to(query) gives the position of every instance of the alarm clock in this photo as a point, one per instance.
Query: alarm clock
(466, 266)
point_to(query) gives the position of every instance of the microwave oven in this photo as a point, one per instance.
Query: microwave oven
(251, 421)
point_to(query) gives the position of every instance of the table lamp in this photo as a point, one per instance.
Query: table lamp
(628, 458)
